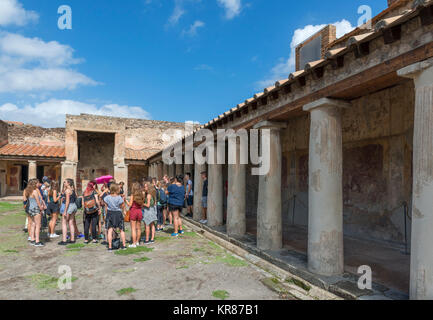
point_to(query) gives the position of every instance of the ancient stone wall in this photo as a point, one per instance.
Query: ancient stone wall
(3, 133)
(28, 134)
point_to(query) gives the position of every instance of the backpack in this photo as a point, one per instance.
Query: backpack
(78, 203)
(162, 197)
(90, 205)
(115, 243)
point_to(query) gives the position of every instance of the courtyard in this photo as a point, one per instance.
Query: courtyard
(188, 268)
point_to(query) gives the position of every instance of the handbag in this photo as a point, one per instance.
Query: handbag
(127, 218)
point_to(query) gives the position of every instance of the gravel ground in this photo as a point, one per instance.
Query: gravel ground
(189, 267)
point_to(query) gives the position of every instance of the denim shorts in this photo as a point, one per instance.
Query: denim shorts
(204, 202)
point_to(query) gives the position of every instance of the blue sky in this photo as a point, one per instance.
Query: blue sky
(173, 60)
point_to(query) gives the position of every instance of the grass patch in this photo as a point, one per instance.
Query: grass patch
(14, 219)
(190, 234)
(45, 281)
(231, 261)
(10, 251)
(182, 267)
(299, 283)
(10, 206)
(75, 246)
(124, 291)
(130, 251)
(143, 259)
(161, 239)
(221, 294)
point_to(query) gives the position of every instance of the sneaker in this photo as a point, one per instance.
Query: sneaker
(137, 244)
(80, 236)
(71, 242)
(132, 246)
(32, 243)
(39, 244)
(204, 222)
(29, 239)
(110, 249)
(146, 242)
(25, 230)
(62, 243)
(95, 241)
(181, 232)
(174, 234)
(152, 241)
(104, 243)
(54, 236)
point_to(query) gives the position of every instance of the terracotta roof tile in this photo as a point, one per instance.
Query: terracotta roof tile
(131, 154)
(31, 150)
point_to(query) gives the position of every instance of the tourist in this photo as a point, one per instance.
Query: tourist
(176, 201)
(115, 219)
(102, 194)
(91, 205)
(35, 208)
(68, 210)
(26, 204)
(204, 198)
(136, 202)
(162, 205)
(149, 213)
(189, 195)
(53, 208)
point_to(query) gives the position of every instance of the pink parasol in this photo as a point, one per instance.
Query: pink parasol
(104, 179)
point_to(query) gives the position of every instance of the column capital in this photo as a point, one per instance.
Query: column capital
(32, 161)
(326, 102)
(270, 125)
(413, 70)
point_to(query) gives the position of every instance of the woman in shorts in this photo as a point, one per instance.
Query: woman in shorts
(176, 199)
(35, 208)
(115, 219)
(53, 208)
(68, 210)
(150, 216)
(135, 204)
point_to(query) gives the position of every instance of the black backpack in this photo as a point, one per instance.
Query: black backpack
(115, 242)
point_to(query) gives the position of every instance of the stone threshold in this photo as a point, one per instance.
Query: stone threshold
(295, 263)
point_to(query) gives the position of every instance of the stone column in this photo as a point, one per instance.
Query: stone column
(179, 169)
(269, 219)
(198, 191)
(215, 210)
(32, 169)
(121, 174)
(325, 194)
(160, 170)
(171, 170)
(69, 171)
(236, 200)
(165, 169)
(421, 264)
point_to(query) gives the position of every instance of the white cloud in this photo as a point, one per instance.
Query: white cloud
(178, 12)
(232, 7)
(52, 113)
(30, 64)
(13, 13)
(192, 30)
(285, 66)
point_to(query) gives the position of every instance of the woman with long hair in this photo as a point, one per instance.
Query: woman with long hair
(135, 204)
(149, 214)
(35, 209)
(91, 211)
(176, 192)
(53, 208)
(68, 211)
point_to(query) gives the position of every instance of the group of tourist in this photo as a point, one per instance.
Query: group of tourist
(106, 208)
